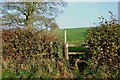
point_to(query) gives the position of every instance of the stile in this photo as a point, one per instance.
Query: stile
(67, 53)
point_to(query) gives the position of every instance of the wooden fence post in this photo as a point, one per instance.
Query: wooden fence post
(66, 51)
(66, 46)
(65, 37)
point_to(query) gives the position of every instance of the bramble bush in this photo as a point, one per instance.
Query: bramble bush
(103, 44)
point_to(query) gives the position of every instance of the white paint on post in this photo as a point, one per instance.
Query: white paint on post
(65, 36)
(66, 45)
(67, 57)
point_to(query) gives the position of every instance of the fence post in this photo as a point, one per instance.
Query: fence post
(66, 46)
(65, 36)
(66, 51)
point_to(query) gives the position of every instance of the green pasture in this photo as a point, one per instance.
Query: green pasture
(74, 35)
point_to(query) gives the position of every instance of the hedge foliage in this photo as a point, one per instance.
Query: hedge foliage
(21, 43)
(23, 52)
(103, 43)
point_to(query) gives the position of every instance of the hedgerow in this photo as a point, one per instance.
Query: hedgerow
(24, 51)
(103, 43)
(21, 43)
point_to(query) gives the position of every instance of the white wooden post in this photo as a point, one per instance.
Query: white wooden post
(65, 37)
(67, 57)
(66, 46)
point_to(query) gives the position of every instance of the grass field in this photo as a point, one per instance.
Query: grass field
(74, 35)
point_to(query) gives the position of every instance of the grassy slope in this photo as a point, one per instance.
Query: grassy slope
(74, 35)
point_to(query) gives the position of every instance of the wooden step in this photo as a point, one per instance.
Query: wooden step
(73, 45)
(76, 45)
(78, 60)
(74, 53)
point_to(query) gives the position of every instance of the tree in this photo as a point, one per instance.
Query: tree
(29, 14)
(54, 26)
(45, 22)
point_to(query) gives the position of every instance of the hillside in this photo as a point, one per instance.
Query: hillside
(74, 35)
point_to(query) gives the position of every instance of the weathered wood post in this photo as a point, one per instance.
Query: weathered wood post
(66, 46)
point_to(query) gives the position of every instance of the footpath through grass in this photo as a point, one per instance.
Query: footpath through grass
(74, 35)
